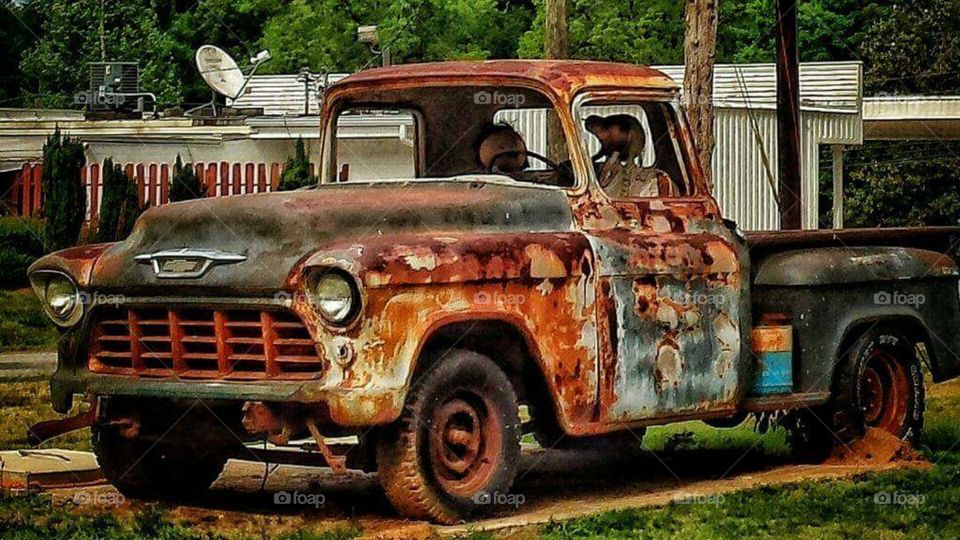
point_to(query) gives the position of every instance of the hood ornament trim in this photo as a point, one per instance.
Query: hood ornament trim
(187, 263)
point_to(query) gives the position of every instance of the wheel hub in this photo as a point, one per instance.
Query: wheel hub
(884, 393)
(465, 444)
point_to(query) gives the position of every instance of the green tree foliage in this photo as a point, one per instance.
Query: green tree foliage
(18, 31)
(321, 34)
(912, 49)
(55, 69)
(915, 49)
(120, 205)
(297, 172)
(65, 197)
(185, 184)
(639, 31)
(162, 35)
(903, 184)
(21, 243)
(651, 31)
(830, 30)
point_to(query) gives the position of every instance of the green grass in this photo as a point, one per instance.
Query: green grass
(814, 509)
(699, 436)
(25, 403)
(23, 325)
(33, 517)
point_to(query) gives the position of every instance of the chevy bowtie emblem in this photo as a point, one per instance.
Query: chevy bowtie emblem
(187, 263)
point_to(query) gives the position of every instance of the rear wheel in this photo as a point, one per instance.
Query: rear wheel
(891, 393)
(457, 443)
(879, 385)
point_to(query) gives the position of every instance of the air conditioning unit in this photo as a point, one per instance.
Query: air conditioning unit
(114, 86)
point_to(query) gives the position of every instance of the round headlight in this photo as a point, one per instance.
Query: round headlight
(334, 296)
(61, 299)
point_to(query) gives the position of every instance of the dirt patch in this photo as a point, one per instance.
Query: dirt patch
(252, 499)
(877, 447)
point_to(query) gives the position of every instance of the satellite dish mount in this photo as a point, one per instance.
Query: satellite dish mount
(223, 75)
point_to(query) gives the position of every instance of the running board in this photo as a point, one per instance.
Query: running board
(784, 402)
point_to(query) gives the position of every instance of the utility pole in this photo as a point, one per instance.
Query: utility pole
(788, 116)
(556, 47)
(700, 57)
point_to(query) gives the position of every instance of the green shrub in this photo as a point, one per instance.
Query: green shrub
(21, 243)
(23, 325)
(185, 185)
(297, 172)
(121, 204)
(65, 197)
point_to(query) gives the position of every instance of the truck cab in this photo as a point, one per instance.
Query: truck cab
(550, 244)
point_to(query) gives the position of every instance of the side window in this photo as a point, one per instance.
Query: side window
(633, 151)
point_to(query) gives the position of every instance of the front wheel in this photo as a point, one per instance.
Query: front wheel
(457, 443)
(144, 469)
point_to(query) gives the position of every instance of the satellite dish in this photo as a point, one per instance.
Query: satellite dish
(220, 71)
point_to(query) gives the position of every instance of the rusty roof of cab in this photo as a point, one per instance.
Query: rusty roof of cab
(565, 77)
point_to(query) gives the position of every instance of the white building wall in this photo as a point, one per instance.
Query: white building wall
(372, 159)
(153, 151)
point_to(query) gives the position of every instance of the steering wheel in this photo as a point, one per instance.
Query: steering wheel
(492, 168)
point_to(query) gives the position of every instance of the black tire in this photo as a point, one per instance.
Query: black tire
(141, 469)
(462, 414)
(878, 385)
(885, 349)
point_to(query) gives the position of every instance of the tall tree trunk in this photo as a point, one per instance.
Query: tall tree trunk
(700, 54)
(555, 35)
(556, 48)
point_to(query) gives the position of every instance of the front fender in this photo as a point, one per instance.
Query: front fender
(413, 285)
(77, 262)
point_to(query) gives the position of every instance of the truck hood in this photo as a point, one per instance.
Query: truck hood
(262, 237)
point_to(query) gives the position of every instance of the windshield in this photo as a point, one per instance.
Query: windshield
(448, 132)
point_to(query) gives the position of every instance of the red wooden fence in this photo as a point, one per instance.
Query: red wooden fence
(153, 182)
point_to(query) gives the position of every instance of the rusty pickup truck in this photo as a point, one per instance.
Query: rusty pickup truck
(545, 247)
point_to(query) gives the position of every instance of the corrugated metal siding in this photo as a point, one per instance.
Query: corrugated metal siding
(531, 124)
(741, 182)
(833, 86)
(278, 94)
